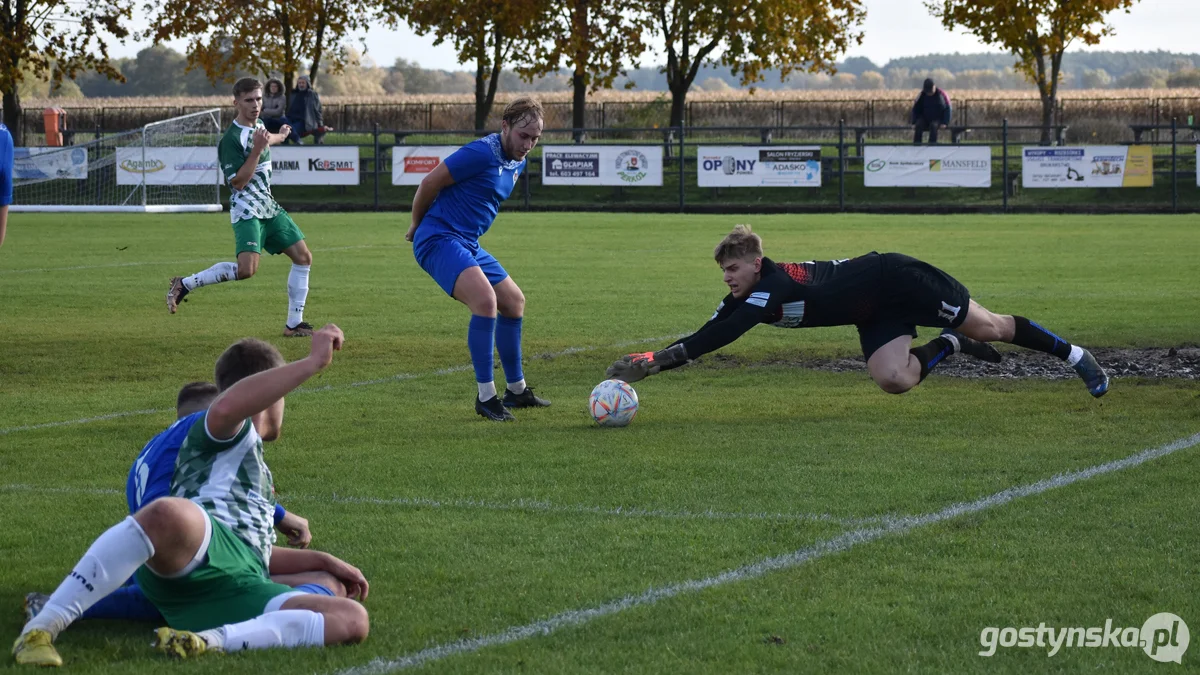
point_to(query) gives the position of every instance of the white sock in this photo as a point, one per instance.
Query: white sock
(1076, 354)
(953, 340)
(226, 271)
(486, 390)
(297, 294)
(111, 559)
(285, 628)
(517, 387)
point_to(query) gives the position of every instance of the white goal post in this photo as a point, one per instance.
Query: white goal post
(164, 167)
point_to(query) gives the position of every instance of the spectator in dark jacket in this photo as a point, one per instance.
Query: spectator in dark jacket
(274, 105)
(930, 112)
(305, 111)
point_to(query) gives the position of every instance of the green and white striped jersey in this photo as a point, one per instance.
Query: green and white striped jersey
(254, 200)
(231, 481)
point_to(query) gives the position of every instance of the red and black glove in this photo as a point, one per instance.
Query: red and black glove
(636, 367)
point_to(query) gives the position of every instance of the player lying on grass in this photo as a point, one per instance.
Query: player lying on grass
(886, 296)
(259, 222)
(149, 479)
(203, 556)
(454, 206)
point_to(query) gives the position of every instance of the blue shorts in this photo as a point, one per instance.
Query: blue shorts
(444, 258)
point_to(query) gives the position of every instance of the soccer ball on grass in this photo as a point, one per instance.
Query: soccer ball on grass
(613, 403)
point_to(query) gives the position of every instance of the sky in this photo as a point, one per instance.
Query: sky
(893, 28)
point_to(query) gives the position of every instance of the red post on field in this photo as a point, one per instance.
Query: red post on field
(55, 120)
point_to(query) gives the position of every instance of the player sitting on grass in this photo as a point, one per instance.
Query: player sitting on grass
(203, 556)
(886, 296)
(454, 206)
(149, 479)
(259, 222)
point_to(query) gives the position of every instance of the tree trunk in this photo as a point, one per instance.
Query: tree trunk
(480, 83)
(12, 116)
(579, 26)
(678, 104)
(1048, 101)
(579, 104)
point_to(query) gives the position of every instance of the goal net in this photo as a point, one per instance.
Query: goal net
(167, 166)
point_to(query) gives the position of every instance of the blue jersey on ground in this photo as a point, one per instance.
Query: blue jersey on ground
(483, 177)
(6, 166)
(150, 476)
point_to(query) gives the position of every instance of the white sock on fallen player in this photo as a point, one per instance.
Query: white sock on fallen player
(111, 559)
(1075, 355)
(226, 271)
(284, 628)
(297, 294)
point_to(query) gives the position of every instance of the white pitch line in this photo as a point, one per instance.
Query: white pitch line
(519, 505)
(174, 262)
(522, 504)
(843, 542)
(399, 377)
(85, 420)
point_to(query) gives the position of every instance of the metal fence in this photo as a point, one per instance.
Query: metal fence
(1097, 120)
(842, 167)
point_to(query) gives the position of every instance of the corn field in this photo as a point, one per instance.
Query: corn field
(1091, 115)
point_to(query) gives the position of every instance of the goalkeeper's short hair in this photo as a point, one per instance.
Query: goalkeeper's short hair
(740, 244)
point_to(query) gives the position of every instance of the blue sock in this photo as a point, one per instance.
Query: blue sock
(508, 343)
(479, 342)
(127, 602)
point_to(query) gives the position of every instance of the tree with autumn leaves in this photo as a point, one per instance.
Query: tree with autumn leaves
(749, 37)
(1037, 32)
(227, 37)
(61, 38)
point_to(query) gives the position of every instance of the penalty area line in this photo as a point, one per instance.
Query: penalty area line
(826, 547)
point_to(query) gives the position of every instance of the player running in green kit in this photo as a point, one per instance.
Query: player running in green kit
(259, 223)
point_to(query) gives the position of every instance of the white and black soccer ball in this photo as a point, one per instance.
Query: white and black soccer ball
(613, 403)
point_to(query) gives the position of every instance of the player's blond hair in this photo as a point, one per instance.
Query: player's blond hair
(522, 108)
(740, 244)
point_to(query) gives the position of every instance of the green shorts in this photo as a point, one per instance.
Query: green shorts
(272, 234)
(232, 585)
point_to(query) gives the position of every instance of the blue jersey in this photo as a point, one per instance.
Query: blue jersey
(483, 177)
(6, 166)
(150, 476)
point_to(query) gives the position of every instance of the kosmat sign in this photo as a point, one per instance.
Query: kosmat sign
(1090, 166)
(314, 165)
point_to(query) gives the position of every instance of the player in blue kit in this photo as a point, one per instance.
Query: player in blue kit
(454, 206)
(6, 178)
(150, 479)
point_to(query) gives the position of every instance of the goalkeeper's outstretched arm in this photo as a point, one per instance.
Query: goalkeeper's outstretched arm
(728, 324)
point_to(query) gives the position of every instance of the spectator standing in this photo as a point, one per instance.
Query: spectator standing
(274, 109)
(930, 112)
(304, 112)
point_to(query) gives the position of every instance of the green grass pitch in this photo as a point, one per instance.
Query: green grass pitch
(473, 531)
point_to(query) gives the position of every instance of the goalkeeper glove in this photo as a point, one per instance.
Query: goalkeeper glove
(636, 367)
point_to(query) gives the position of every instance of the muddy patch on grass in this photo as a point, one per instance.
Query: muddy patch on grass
(1174, 363)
